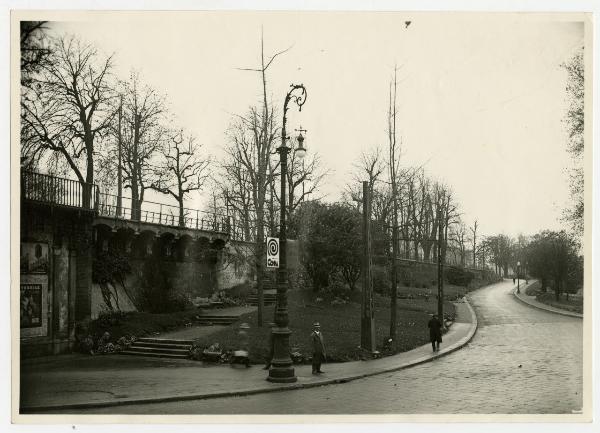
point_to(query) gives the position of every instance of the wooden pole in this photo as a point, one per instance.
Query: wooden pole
(367, 325)
(119, 163)
(440, 268)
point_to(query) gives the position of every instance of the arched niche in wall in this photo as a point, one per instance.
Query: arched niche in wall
(165, 244)
(102, 238)
(184, 248)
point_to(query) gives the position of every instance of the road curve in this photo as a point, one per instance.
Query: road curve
(522, 360)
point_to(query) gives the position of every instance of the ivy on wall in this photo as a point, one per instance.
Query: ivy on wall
(110, 268)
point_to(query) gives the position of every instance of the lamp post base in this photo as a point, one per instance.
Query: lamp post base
(282, 375)
(282, 367)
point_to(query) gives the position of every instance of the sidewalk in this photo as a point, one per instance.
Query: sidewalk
(531, 301)
(82, 381)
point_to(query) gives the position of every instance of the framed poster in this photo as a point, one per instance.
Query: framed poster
(34, 305)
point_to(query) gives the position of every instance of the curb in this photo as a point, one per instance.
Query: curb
(548, 309)
(287, 387)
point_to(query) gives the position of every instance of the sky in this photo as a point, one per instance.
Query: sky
(481, 97)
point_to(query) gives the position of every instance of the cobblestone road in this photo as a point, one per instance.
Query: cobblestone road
(522, 360)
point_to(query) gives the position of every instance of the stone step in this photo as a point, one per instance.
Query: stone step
(265, 299)
(153, 354)
(217, 320)
(162, 346)
(162, 350)
(164, 341)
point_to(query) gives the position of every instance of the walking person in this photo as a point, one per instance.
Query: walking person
(435, 332)
(271, 348)
(318, 348)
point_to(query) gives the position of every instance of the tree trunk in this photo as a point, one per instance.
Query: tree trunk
(426, 250)
(260, 238)
(181, 214)
(87, 193)
(136, 205)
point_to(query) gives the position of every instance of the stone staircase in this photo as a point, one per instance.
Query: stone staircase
(160, 347)
(268, 299)
(176, 348)
(215, 319)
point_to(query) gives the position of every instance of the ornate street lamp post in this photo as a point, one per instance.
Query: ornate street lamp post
(281, 370)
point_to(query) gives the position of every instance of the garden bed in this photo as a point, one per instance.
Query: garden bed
(139, 324)
(574, 304)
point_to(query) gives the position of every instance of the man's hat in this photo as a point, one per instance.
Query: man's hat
(316, 325)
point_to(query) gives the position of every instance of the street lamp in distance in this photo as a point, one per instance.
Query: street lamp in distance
(518, 276)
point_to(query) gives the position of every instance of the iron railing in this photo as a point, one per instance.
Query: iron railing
(159, 213)
(59, 191)
(71, 193)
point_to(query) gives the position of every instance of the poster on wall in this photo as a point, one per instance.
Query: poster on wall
(34, 305)
(31, 305)
(34, 258)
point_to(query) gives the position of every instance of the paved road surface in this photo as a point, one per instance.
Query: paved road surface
(522, 360)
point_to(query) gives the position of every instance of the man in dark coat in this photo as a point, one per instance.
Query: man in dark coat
(435, 332)
(318, 348)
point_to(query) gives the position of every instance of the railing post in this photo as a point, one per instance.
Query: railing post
(197, 217)
(160, 215)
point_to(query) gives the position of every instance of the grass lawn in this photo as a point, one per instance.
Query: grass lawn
(340, 324)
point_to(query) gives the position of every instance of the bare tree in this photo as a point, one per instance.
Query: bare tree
(66, 109)
(474, 241)
(574, 120)
(181, 169)
(370, 167)
(249, 153)
(237, 191)
(254, 154)
(458, 235)
(35, 49)
(393, 169)
(304, 176)
(144, 135)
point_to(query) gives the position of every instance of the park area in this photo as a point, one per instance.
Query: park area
(340, 324)
(339, 316)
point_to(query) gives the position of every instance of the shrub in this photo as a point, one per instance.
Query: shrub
(337, 288)
(458, 276)
(381, 280)
(331, 242)
(240, 291)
